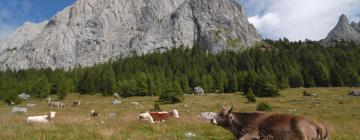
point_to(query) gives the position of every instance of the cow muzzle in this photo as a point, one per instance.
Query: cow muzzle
(213, 121)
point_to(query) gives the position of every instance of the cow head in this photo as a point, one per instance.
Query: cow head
(175, 113)
(146, 117)
(48, 100)
(52, 114)
(224, 117)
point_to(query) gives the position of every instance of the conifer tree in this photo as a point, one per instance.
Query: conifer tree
(251, 96)
(41, 88)
(233, 83)
(173, 93)
(107, 80)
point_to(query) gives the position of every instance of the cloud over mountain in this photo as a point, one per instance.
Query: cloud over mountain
(298, 19)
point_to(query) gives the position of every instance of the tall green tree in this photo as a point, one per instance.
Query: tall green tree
(107, 80)
(41, 88)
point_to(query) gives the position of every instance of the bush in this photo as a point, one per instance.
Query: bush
(13, 100)
(305, 93)
(156, 107)
(173, 94)
(170, 98)
(263, 107)
(251, 96)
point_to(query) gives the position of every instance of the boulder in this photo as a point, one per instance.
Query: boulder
(112, 115)
(208, 115)
(24, 96)
(31, 105)
(19, 110)
(199, 90)
(116, 95)
(115, 102)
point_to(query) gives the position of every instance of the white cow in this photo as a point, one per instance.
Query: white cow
(58, 104)
(41, 119)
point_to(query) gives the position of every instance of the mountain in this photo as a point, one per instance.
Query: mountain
(96, 31)
(344, 31)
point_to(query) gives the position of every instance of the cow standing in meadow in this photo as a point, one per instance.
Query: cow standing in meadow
(263, 126)
(57, 104)
(153, 117)
(76, 103)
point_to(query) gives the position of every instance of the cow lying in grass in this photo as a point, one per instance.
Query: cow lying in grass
(41, 119)
(263, 126)
(94, 113)
(153, 117)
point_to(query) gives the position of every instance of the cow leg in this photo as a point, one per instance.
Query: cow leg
(249, 137)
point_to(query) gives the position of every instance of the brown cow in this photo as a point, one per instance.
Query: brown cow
(263, 126)
(153, 117)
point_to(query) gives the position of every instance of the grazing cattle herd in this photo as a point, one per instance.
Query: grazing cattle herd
(244, 126)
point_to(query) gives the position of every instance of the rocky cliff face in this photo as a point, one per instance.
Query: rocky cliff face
(344, 31)
(95, 31)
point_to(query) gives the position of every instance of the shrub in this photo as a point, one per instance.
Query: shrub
(173, 94)
(263, 107)
(156, 107)
(170, 98)
(251, 96)
(306, 93)
(13, 99)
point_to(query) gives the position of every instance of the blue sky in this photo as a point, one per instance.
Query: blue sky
(294, 19)
(13, 13)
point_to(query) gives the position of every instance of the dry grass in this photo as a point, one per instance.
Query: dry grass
(332, 107)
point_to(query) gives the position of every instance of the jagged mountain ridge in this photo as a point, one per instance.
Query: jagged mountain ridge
(95, 31)
(344, 31)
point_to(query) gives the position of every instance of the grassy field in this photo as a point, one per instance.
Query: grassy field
(332, 107)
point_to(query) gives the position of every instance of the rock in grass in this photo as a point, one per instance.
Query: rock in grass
(19, 110)
(115, 102)
(189, 135)
(31, 105)
(208, 115)
(112, 115)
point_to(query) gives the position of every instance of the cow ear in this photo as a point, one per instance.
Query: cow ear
(228, 109)
(231, 108)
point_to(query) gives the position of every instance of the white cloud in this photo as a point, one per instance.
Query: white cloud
(263, 22)
(298, 19)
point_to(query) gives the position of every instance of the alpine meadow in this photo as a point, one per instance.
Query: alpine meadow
(179, 70)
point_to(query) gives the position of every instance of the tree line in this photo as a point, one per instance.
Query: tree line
(263, 70)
